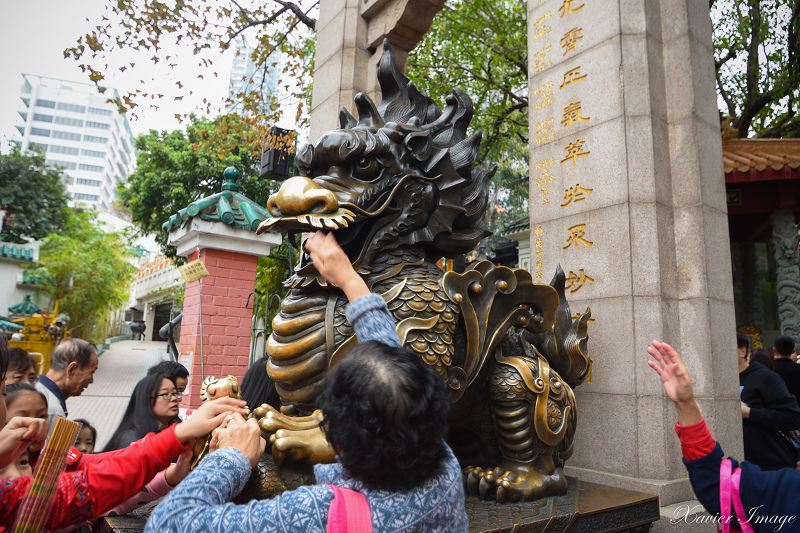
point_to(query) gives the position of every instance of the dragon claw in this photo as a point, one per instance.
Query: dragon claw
(513, 482)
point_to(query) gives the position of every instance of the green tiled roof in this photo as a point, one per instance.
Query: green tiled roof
(518, 225)
(29, 278)
(9, 251)
(7, 325)
(26, 307)
(228, 207)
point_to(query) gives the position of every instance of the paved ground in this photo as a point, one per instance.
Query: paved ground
(104, 401)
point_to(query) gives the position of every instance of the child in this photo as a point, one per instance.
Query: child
(19, 468)
(87, 436)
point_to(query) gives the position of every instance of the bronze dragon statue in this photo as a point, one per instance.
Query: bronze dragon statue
(399, 187)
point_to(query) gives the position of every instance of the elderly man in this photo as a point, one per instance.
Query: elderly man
(72, 367)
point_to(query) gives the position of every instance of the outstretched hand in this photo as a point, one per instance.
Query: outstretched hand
(333, 264)
(243, 435)
(207, 418)
(677, 383)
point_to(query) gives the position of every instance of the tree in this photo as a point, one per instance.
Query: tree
(757, 60)
(151, 27)
(173, 170)
(32, 194)
(86, 269)
(491, 67)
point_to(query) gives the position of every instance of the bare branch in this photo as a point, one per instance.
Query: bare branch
(304, 18)
(730, 55)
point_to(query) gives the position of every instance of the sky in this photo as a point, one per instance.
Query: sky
(34, 34)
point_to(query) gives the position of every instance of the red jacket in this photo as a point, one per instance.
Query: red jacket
(104, 481)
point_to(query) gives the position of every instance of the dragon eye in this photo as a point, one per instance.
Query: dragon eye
(365, 168)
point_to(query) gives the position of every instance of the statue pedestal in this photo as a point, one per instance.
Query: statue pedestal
(585, 507)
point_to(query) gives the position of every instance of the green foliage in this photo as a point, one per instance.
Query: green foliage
(489, 61)
(204, 28)
(86, 270)
(757, 57)
(272, 271)
(173, 171)
(33, 195)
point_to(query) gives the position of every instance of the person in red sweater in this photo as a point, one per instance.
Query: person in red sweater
(768, 497)
(104, 480)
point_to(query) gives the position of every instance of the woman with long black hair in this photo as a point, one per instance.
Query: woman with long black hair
(153, 407)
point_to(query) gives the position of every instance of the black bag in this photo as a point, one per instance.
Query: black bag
(793, 437)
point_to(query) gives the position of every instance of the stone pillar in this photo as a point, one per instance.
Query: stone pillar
(350, 37)
(218, 301)
(631, 202)
(787, 257)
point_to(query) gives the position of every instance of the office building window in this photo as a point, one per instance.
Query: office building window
(55, 163)
(103, 112)
(45, 103)
(40, 132)
(89, 197)
(69, 121)
(37, 146)
(92, 168)
(90, 183)
(93, 153)
(97, 125)
(93, 139)
(63, 149)
(42, 118)
(71, 107)
(66, 135)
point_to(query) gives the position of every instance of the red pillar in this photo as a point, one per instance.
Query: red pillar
(226, 320)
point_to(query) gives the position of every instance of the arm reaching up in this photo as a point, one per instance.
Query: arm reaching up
(676, 381)
(333, 264)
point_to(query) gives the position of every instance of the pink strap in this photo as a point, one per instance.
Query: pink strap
(744, 522)
(349, 512)
(725, 494)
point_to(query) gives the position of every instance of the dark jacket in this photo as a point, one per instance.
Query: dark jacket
(772, 409)
(770, 498)
(790, 372)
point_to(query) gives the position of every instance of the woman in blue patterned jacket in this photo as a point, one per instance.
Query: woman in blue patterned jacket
(386, 417)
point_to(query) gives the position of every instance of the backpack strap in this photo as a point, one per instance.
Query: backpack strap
(744, 521)
(349, 512)
(725, 494)
(729, 481)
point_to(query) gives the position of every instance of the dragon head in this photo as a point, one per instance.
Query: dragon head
(400, 174)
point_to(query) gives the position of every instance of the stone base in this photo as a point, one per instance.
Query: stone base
(586, 507)
(684, 517)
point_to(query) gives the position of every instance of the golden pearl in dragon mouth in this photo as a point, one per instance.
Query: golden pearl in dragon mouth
(302, 205)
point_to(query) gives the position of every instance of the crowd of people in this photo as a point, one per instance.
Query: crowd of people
(396, 475)
(385, 418)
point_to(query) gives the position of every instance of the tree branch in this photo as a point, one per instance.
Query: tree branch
(252, 23)
(730, 55)
(752, 49)
(726, 96)
(299, 13)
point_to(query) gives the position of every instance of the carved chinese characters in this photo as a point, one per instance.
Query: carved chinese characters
(559, 149)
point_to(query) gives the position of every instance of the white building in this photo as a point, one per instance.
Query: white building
(79, 130)
(248, 76)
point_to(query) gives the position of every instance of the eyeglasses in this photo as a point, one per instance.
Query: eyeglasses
(169, 396)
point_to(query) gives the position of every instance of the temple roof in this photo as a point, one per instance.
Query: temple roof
(743, 155)
(228, 207)
(11, 251)
(517, 225)
(25, 307)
